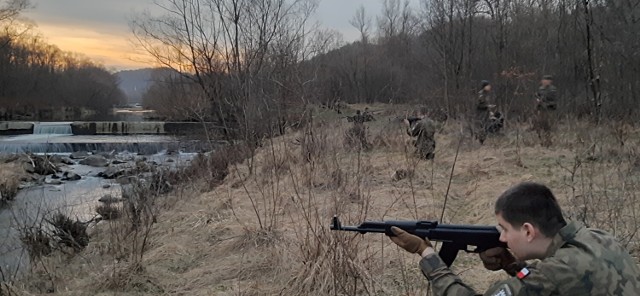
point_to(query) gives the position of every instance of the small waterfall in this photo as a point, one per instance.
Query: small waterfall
(52, 128)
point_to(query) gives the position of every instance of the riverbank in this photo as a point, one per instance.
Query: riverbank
(264, 229)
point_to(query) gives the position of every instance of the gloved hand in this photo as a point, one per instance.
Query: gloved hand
(409, 242)
(498, 258)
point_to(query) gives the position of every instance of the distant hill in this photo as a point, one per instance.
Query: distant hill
(134, 83)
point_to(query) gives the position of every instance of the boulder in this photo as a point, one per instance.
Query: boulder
(111, 173)
(107, 155)
(53, 182)
(108, 199)
(67, 160)
(95, 161)
(70, 176)
(79, 155)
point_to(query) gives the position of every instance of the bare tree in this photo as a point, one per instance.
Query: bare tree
(362, 23)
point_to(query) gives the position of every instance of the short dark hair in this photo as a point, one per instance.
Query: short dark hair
(533, 203)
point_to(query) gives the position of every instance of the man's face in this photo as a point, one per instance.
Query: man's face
(545, 82)
(487, 87)
(517, 238)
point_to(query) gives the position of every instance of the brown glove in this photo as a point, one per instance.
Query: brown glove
(409, 242)
(500, 258)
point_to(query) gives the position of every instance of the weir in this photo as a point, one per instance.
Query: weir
(52, 128)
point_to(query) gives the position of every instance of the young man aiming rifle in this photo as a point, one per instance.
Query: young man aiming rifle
(573, 259)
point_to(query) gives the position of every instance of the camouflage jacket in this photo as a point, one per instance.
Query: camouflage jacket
(580, 261)
(423, 129)
(483, 100)
(547, 97)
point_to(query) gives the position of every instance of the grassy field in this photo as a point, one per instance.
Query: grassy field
(264, 229)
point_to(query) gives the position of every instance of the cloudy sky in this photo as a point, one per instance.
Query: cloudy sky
(99, 28)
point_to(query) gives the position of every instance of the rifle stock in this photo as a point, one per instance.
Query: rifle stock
(468, 238)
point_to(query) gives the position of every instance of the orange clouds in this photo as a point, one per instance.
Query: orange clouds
(114, 51)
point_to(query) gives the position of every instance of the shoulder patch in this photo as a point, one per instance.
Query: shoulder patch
(504, 290)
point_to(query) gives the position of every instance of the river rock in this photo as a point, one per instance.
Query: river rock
(107, 155)
(170, 160)
(106, 186)
(111, 173)
(70, 176)
(67, 160)
(117, 161)
(95, 161)
(108, 199)
(79, 155)
(53, 182)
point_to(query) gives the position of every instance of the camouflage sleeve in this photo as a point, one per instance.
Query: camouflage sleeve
(530, 281)
(443, 281)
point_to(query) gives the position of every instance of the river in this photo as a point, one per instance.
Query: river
(73, 198)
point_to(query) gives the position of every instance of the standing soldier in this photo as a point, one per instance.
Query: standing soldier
(545, 105)
(424, 129)
(357, 134)
(482, 112)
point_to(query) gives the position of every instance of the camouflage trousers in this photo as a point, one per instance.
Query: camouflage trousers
(425, 148)
(479, 125)
(544, 125)
(356, 137)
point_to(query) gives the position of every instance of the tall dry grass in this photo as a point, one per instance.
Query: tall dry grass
(263, 229)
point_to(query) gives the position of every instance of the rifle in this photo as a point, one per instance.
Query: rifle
(412, 120)
(454, 238)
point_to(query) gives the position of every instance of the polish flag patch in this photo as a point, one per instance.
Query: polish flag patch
(523, 273)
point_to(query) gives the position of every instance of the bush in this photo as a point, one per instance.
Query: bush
(36, 241)
(68, 232)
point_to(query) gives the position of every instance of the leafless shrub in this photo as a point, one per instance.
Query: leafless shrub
(68, 232)
(37, 242)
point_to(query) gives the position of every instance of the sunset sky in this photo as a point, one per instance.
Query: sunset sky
(100, 30)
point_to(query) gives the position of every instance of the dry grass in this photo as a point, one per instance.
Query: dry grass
(10, 176)
(264, 229)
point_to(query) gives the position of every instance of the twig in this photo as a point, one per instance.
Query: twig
(455, 160)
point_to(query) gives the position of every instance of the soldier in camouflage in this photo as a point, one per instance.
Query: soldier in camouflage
(424, 130)
(571, 259)
(545, 105)
(482, 112)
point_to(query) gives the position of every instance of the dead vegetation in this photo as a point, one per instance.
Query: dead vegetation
(10, 176)
(263, 229)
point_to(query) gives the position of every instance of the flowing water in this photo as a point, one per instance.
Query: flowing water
(52, 128)
(73, 198)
